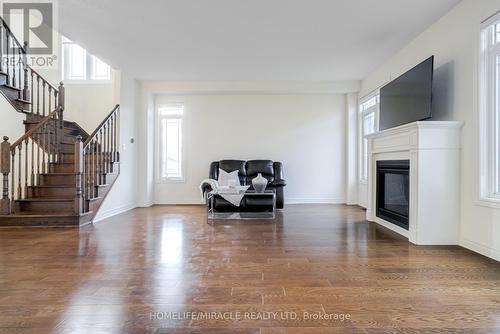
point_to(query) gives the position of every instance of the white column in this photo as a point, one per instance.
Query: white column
(351, 148)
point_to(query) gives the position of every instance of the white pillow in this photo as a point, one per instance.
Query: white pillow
(224, 178)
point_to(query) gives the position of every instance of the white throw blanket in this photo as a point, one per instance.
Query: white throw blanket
(233, 195)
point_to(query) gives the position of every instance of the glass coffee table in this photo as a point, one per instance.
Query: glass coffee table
(253, 206)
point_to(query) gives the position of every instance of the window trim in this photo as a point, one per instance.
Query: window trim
(363, 165)
(161, 102)
(89, 59)
(488, 116)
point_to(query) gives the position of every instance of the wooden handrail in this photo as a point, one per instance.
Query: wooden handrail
(6, 26)
(42, 78)
(32, 86)
(35, 128)
(98, 128)
(25, 51)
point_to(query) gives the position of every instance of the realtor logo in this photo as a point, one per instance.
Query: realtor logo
(32, 22)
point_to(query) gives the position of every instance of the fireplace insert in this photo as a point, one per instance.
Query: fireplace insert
(393, 191)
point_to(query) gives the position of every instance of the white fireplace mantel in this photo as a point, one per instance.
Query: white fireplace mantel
(433, 149)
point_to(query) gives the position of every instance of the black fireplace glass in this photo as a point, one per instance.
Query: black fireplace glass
(393, 191)
(397, 193)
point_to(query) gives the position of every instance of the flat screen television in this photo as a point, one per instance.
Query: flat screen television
(407, 98)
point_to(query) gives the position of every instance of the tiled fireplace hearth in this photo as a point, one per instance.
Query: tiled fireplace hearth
(427, 154)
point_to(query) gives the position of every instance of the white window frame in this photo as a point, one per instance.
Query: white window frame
(489, 113)
(363, 155)
(162, 102)
(89, 65)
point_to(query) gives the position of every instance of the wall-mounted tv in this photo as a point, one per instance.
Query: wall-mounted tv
(407, 98)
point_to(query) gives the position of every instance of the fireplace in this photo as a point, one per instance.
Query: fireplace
(393, 191)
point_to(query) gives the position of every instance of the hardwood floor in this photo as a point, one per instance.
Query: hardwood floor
(139, 272)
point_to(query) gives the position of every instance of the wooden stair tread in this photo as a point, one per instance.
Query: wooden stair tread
(11, 87)
(52, 186)
(45, 199)
(61, 163)
(34, 214)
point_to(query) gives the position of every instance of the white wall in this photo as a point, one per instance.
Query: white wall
(305, 132)
(122, 196)
(12, 124)
(454, 41)
(87, 102)
(314, 111)
(351, 158)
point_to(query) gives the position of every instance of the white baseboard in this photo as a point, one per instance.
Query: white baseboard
(113, 212)
(291, 200)
(179, 201)
(314, 200)
(145, 204)
(481, 249)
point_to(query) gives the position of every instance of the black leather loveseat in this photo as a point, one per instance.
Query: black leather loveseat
(247, 170)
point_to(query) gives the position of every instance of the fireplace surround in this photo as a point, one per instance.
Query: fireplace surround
(431, 150)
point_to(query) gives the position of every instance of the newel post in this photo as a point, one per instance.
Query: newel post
(5, 170)
(26, 91)
(79, 172)
(61, 99)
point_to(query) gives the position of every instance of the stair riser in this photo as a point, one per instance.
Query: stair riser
(69, 138)
(60, 192)
(62, 168)
(20, 221)
(69, 157)
(50, 180)
(60, 207)
(67, 148)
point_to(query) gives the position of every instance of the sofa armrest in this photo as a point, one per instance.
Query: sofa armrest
(213, 173)
(206, 188)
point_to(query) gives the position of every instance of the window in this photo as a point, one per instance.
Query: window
(170, 141)
(78, 64)
(489, 93)
(368, 120)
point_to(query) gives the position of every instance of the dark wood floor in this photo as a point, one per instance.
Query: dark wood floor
(131, 272)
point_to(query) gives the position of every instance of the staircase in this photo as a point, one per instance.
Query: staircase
(56, 174)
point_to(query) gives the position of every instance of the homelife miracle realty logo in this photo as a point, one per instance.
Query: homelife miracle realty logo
(33, 22)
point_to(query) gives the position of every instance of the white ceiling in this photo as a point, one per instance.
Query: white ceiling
(247, 39)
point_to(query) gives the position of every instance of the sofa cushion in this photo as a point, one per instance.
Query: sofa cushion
(225, 178)
(232, 165)
(264, 167)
